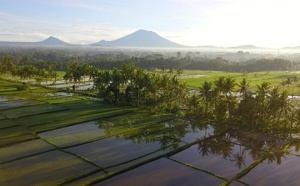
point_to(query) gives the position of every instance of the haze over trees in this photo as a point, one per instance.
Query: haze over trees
(162, 91)
(147, 60)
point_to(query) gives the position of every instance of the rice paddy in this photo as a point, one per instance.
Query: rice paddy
(195, 78)
(56, 138)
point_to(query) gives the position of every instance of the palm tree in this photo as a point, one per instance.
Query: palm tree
(289, 81)
(244, 85)
(219, 84)
(229, 85)
(285, 105)
(261, 107)
(230, 100)
(205, 94)
(239, 158)
(263, 90)
(273, 100)
(116, 85)
(295, 79)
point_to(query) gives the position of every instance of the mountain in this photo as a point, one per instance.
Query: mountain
(292, 48)
(245, 47)
(140, 38)
(51, 41)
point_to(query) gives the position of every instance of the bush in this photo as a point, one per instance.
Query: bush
(24, 86)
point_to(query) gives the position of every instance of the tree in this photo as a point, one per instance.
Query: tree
(74, 72)
(243, 88)
(7, 65)
(206, 95)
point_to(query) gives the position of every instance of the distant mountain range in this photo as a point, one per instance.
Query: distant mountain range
(292, 48)
(245, 47)
(140, 38)
(51, 41)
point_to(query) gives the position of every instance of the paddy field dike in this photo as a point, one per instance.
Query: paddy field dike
(57, 138)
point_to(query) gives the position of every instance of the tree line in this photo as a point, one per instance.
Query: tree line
(223, 100)
(269, 108)
(116, 59)
(28, 71)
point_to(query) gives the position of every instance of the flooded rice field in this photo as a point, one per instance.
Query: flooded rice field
(65, 139)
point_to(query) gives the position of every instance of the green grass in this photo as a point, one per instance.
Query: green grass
(67, 114)
(24, 149)
(77, 120)
(195, 78)
(16, 139)
(13, 131)
(30, 110)
(7, 123)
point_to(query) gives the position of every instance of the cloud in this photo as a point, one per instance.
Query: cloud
(188, 22)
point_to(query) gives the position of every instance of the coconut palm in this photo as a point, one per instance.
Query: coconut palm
(229, 84)
(219, 84)
(285, 105)
(295, 80)
(243, 87)
(263, 90)
(239, 158)
(206, 95)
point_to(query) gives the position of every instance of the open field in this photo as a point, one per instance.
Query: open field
(195, 78)
(73, 140)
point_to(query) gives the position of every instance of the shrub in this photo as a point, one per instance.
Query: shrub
(24, 86)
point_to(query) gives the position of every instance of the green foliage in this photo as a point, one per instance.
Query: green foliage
(24, 86)
(134, 86)
(7, 65)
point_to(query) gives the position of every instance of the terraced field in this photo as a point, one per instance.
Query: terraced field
(51, 138)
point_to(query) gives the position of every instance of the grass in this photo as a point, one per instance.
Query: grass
(30, 110)
(77, 120)
(195, 78)
(13, 131)
(7, 123)
(16, 139)
(24, 149)
(62, 115)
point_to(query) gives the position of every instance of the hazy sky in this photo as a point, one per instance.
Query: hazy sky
(265, 23)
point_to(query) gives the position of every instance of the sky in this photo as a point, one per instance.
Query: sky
(224, 23)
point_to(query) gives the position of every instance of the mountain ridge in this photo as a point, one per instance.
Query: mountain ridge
(139, 38)
(50, 41)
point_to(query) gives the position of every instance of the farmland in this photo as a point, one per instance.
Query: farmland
(195, 78)
(58, 138)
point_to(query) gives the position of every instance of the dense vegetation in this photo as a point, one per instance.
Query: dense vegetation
(107, 60)
(269, 108)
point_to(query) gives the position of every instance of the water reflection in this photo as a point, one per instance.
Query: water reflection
(167, 132)
(133, 139)
(149, 129)
(248, 144)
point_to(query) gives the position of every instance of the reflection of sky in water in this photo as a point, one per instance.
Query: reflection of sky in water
(163, 172)
(13, 103)
(225, 159)
(57, 94)
(75, 134)
(111, 151)
(120, 142)
(281, 170)
(81, 86)
(9, 98)
(196, 134)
